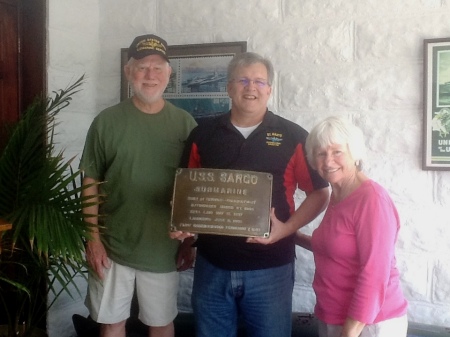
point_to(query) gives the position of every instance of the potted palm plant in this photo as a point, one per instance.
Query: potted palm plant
(41, 202)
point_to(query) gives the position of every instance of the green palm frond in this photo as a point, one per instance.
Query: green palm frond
(36, 195)
(41, 196)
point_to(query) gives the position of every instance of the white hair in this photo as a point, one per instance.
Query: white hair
(335, 130)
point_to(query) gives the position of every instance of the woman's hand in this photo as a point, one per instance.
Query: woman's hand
(278, 231)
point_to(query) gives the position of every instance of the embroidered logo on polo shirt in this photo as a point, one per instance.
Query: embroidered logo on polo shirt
(274, 139)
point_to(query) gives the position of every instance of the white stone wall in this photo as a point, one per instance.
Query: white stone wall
(361, 59)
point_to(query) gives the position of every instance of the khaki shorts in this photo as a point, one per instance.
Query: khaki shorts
(109, 300)
(394, 327)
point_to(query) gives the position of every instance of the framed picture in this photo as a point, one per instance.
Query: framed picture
(436, 142)
(199, 77)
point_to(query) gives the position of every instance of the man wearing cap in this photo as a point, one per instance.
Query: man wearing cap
(134, 148)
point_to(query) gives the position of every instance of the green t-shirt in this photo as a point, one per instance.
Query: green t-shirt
(136, 154)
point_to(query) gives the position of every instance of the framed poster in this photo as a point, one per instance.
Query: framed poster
(199, 77)
(436, 112)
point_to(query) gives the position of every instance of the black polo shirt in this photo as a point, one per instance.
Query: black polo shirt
(276, 146)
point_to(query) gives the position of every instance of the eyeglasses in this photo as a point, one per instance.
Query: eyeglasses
(244, 81)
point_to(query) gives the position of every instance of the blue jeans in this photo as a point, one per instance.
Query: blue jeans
(261, 298)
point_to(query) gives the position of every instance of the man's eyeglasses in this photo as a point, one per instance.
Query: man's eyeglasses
(244, 81)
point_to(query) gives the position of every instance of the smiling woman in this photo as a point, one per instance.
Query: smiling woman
(335, 148)
(356, 281)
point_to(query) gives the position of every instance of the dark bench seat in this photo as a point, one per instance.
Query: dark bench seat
(303, 325)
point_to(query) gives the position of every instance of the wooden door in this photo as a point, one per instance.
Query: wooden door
(22, 77)
(9, 61)
(22, 57)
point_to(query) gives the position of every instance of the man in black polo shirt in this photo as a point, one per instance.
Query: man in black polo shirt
(252, 278)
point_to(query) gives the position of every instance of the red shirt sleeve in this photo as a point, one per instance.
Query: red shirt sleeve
(194, 157)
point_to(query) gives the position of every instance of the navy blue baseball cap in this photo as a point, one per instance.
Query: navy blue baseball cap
(146, 45)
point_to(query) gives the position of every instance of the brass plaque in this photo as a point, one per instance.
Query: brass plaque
(225, 202)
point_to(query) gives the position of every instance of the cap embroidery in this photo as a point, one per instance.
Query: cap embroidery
(151, 44)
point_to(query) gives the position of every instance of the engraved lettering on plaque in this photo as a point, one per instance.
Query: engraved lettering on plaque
(225, 202)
